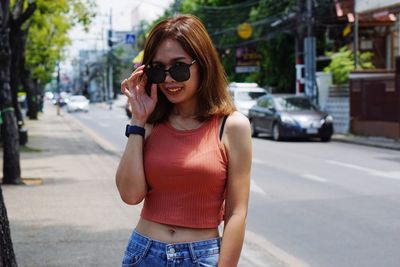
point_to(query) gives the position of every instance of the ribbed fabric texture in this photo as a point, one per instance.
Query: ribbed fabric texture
(186, 172)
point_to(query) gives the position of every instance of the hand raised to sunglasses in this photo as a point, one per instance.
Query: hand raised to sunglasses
(141, 104)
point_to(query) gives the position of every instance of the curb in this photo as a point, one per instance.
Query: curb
(368, 141)
(107, 146)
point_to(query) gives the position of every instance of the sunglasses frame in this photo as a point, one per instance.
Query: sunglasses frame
(165, 71)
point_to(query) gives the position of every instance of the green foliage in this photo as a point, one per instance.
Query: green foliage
(275, 45)
(48, 33)
(274, 42)
(343, 63)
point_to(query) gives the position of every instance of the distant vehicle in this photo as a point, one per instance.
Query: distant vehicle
(289, 116)
(245, 95)
(78, 103)
(48, 95)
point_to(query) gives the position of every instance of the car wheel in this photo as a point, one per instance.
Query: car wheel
(326, 138)
(276, 132)
(254, 132)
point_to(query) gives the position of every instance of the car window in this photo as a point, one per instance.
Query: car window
(270, 103)
(263, 102)
(294, 103)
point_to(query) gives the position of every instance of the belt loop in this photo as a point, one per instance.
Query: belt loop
(146, 250)
(192, 253)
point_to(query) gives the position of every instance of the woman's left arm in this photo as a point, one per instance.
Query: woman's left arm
(237, 141)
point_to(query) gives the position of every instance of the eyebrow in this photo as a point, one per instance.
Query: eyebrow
(172, 60)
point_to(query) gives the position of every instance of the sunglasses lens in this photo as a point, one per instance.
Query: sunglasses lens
(180, 73)
(155, 75)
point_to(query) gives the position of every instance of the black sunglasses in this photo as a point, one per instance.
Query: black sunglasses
(179, 72)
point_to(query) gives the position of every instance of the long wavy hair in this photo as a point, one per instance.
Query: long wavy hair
(189, 31)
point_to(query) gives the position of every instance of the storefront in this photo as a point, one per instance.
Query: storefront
(375, 95)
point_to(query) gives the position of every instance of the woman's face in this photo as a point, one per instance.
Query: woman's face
(170, 53)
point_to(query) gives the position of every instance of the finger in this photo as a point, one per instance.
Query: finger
(141, 67)
(124, 88)
(133, 80)
(153, 93)
(143, 80)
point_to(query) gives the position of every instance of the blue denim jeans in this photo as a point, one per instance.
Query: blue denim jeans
(143, 251)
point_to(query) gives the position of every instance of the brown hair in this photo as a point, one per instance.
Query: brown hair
(189, 31)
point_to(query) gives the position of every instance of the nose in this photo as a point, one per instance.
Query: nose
(168, 77)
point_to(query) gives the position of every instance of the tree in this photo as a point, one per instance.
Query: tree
(274, 44)
(46, 39)
(7, 257)
(20, 14)
(9, 128)
(56, 17)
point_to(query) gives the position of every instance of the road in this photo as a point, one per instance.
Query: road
(326, 204)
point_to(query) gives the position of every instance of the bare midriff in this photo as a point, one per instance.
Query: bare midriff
(174, 234)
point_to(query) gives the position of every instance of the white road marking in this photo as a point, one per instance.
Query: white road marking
(254, 187)
(314, 178)
(386, 174)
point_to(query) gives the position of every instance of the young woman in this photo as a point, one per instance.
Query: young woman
(188, 154)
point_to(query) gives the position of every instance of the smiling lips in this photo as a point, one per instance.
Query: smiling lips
(173, 90)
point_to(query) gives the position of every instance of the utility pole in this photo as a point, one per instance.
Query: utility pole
(110, 63)
(310, 55)
(299, 53)
(355, 40)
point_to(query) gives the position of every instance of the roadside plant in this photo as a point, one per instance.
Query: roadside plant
(342, 64)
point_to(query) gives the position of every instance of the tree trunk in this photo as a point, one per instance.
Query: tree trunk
(31, 94)
(7, 256)
(17, 46)
(18, 38)
(9, 128)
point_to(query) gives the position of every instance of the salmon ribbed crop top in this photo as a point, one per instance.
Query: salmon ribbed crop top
(186, 173)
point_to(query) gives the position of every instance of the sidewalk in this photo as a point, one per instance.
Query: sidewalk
(71, 213)
(374, 141)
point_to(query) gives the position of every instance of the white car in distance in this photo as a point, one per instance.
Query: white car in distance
(78, 103)
(245, 95)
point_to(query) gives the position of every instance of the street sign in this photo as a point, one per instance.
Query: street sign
(130, 39)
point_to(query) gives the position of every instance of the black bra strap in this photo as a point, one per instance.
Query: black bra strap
(221, 131)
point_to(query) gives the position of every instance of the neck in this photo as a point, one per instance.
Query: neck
(185, 113)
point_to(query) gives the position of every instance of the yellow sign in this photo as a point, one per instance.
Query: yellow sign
(346, 30)
(245, 30)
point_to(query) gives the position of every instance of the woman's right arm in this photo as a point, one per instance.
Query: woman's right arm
(130, 177)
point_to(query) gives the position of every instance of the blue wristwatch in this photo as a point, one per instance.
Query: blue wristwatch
(133, 129)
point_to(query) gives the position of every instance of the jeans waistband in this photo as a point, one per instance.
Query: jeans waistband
(193, 250)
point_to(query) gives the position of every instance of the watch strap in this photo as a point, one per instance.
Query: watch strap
(133, 129)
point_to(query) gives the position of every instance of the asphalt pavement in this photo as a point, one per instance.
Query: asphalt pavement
(69, 213)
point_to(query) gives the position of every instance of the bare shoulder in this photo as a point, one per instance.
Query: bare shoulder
(237, 126)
